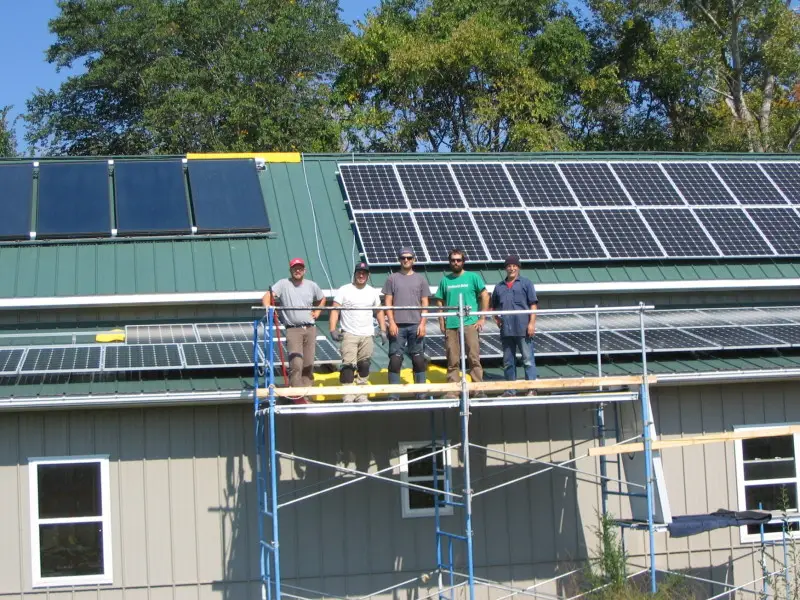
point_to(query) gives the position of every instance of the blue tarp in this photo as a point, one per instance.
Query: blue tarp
(686, 525)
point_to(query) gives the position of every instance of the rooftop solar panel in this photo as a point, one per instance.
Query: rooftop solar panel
(143, 357)
(159, 334)
(733, 232)
(545, 345)
(10, 359)
(226, 332)
(509, 232)
(686, 318)
(429, 186)
(594, 184)
(150, 197)
(748, 316)
(791, 313)
(61, 359)
(585, 342)
(789, 334)
(16, 192)
(781, 226)
(572, 322)
(443, 231)
(219, 355)
(748, 183)
(647, 184)
(73, 200)
(226, 196)
(624, 234)
(679, 232)
(326, 352)
(540, 184)
(698, 183)
(567, 234)
(786, 176)
(734, 337)
(485, 185)
(435, 348)
(382, 235)
(371, 187)
(668, 340)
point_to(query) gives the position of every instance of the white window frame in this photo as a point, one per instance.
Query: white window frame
(35, 522)
(405, 498)
(744, 536)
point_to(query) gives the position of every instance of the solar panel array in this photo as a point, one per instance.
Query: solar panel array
(554, 211)
(97, 198)
(230, 345)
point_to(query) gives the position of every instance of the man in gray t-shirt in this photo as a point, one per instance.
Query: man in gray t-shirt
(406, 327)
(301, 332)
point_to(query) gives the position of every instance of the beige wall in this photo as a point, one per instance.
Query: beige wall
(183, 496)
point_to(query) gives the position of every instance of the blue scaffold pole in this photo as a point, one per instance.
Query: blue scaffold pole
(261, 483)
(273, 458)
(465, 450)
(648, 456)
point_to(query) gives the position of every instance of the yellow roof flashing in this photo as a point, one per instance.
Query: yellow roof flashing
(273, 157)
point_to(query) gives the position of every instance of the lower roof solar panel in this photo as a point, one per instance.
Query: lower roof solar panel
(735, 337)
(10, 359)
(788, 334)
(142, 357)
(160, 334)
(61, 359)
(219, 355)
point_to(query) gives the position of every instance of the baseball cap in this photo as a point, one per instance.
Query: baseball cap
(362, 266)
(297, 261)
(512, 260)
(406, 251)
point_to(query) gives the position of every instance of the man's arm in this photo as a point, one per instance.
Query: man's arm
(424, 302)
(334, 317)
(532, 320)
(266, 300)
(388, 300)
(440, 303)
(316, 313)
(483, 299)
(495, 304)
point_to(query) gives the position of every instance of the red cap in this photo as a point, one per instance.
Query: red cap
(296, 261)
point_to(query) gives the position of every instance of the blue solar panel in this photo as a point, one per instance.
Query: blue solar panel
(16, 189)
(151, 197)
(226, 196)
(73, 199)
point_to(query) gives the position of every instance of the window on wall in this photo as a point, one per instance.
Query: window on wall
(767, 478)
(70, 521)
(418, 466)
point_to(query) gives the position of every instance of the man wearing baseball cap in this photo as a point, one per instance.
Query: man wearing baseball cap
(516, 331)
(406, 327)
(301, 333)
(357, 328)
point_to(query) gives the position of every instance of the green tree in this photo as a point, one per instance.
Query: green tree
(8, 139)
(173, 76)
(467, 75)
(707, 74)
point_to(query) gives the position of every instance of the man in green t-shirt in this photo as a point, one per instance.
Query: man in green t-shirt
(472, 289)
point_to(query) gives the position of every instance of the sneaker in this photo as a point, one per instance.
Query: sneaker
(422, 396)
(393, 398)
(532, 393)
(451, 396)
(362, 398)
(349, 398)
(479, 394)
(509, 394)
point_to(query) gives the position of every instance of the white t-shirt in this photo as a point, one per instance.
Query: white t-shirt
(357, 322)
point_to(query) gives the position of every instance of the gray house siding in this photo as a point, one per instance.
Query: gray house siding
(183, 498)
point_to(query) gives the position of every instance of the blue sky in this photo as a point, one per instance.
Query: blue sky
(24, 39)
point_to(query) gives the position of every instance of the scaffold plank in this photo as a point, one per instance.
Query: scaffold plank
(565, 383)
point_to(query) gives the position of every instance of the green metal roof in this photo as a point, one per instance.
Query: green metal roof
(294, 193)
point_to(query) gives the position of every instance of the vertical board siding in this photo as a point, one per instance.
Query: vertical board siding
(184, 499)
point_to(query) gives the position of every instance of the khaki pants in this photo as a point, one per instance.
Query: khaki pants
(356, 348)
(453, 351)
(301, 342)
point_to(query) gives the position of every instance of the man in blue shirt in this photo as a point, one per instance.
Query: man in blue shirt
(516, 331)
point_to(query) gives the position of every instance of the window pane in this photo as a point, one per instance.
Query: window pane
(772, 528)
(767, 469)
(420, 499)
(69, 490)
(771, 447)
(71, 549)
(424, 467)
(772, 497)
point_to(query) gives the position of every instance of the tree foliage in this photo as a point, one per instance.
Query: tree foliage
(8, 139)
(174, 76)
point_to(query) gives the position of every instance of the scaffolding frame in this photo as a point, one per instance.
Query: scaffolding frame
(448, 578)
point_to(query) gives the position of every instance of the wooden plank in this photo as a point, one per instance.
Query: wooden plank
(707, 438)
(444, 388)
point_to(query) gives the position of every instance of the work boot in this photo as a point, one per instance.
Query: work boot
(349, 398)
(533, 393)
(509, 394)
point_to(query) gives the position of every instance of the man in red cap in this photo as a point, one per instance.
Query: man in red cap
(301, 333)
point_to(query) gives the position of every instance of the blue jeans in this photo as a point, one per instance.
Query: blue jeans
(406, 342)
(526, 349)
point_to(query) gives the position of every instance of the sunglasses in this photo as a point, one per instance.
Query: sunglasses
(406, 258)
(456, 260)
